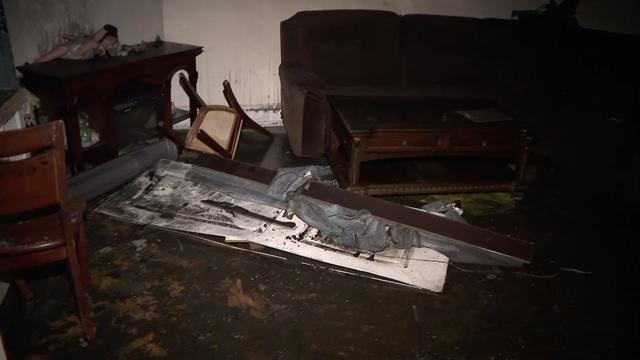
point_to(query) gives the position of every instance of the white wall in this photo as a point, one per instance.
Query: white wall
(35, 26)
(241, 38)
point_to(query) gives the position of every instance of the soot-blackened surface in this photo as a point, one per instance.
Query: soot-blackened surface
(157, 294)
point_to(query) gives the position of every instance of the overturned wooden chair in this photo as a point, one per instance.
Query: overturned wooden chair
(217, 128)
(39, 223)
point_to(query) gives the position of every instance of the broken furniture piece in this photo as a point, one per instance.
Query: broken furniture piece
(329, 224)
(62, 83)
(402, 145)
(217, 128)
(464, 243)
(177, 196)
(39, 222)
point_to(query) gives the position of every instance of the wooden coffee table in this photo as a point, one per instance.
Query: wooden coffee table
(383, 134)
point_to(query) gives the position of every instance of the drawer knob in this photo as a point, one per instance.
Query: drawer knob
(405, 143)
(484, 143)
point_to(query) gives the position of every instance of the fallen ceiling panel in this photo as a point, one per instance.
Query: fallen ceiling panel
(471, 244)
(184, 197)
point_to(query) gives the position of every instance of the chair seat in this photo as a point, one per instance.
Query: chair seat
(44, 232)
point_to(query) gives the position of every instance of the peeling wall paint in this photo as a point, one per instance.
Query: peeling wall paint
(36, 26)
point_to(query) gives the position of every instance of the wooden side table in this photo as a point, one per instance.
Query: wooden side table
(369, 129)
(62, 84)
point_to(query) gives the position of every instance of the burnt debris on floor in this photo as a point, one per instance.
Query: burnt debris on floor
(160, 293)
(498, 156)
(326, 223)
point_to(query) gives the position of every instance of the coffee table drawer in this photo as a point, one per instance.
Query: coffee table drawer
(405, 141)
(470, 141)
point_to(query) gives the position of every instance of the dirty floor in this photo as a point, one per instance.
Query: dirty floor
(165, 295)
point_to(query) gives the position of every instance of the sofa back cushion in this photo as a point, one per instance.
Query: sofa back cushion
(436, 49)
(344, 47)
(455, 50)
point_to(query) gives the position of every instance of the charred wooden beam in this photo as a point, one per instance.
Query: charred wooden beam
(486, 244)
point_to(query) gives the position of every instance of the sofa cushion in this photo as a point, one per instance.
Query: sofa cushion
(451, 33)
(463, 52)
(436, 48)
(344, 47)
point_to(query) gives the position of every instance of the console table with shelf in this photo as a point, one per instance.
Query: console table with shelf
(63, 84)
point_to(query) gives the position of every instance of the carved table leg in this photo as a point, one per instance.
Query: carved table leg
(109, 116)
(72, 129)
(165, 106)
(354, 161)
(193, 106)
(521, 167)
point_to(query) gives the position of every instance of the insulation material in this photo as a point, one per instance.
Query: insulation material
(172, 194)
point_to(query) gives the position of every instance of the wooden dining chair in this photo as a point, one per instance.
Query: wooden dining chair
(39, 223)
(216, 129)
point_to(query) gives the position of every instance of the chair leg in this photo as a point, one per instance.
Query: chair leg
(83, 259)
(24, 288)
(233, 103)
(80, 290)
(251, 124)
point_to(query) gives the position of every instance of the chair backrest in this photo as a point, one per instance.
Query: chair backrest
(191, 92)
(39, 180)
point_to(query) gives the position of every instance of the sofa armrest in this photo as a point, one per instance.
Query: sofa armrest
(302, 79)
(300, 76)
(305, 110)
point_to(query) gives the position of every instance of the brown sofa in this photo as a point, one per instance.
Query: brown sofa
(369, 52)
